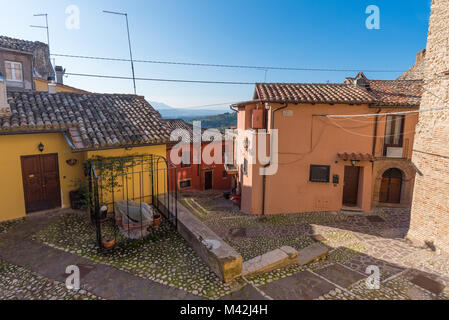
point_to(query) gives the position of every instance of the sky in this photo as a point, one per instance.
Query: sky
(281, 33)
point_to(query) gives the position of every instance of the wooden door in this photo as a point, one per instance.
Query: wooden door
(40, 174)
(390, 187)
(351, 185)
(390, 190)
(207, 180)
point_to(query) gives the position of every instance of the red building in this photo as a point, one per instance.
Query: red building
(201, 176)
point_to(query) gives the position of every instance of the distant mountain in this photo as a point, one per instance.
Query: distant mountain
(225, 120)
(169, 112)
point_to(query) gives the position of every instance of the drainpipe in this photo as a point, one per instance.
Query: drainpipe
(264, 178)
(375, 138)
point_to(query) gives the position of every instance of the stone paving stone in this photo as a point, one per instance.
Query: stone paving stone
(362, 261)
(374, 218)
(246, 293)
(318, 238)
(427, 283)
(303, 285)
(340, 275)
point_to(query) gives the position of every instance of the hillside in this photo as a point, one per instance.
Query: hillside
(224, 120)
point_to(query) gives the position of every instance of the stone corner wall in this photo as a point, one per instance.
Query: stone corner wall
(430, 209)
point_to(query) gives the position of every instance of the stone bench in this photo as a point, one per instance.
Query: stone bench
(312, 253)
(279, 258)
(224, 260)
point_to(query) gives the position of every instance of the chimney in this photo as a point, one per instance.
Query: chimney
(5, 110)
(361, 81)
(59, 74)
(51, 85)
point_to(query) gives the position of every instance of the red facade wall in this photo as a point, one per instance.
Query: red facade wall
(196, 173)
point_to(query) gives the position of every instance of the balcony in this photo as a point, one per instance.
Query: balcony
(396, 151)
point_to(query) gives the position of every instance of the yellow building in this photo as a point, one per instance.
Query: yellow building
(42, 85)
(45, 138)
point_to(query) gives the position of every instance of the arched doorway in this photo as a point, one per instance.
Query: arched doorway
(390, 188)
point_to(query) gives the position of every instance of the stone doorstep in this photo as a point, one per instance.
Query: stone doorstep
(312, 253)
(275, 259)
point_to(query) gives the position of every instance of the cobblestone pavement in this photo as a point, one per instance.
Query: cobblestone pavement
(31, 270)
(33, 259)
(356, 241)
(19, 283)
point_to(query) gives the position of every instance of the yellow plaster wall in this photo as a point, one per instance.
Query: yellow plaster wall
(12, 147)
(137, 187)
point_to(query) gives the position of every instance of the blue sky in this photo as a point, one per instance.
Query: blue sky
(296, 33)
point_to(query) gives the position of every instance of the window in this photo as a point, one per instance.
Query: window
(185, 184)
(394, 130)
(186, 164)
(13, 71)
(245, 167)
(225, 174)
(319, 173)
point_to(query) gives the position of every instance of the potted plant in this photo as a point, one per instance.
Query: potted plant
(108, 242)
(156, 220)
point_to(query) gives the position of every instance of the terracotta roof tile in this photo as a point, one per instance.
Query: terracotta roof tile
(174, 124)
(313, 93)
(91, 120)
(372, 92)
(396, 92)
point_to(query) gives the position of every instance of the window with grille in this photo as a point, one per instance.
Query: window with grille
(185, 184)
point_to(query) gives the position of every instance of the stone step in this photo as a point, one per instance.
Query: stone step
(312, 253)
(279, 258)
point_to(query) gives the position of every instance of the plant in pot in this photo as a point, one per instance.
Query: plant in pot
(156, 220)
(108, 242)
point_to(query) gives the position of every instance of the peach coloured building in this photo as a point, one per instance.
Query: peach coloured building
(201, 176)
(328, 160)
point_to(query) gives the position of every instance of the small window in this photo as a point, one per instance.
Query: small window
(13, 71)
(225, 174)
(319, 173)
(185, 184)
(245, 167)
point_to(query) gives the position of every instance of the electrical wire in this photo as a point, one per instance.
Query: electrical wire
(158, 79)
(215, 65)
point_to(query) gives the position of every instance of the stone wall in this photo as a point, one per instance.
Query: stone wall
(430, 209)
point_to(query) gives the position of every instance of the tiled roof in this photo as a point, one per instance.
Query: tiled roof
(93, 121)
(396, 92)
(312, 93)
(174, 124)
(355, 156)
(358, 90)
(18, 44)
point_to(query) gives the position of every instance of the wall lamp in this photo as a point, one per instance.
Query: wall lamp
(354, 162)
(40, 147)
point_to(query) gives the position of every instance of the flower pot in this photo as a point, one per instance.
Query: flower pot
(156, 221)
(108, 243)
